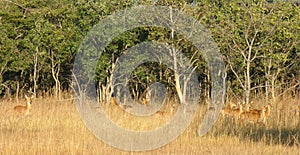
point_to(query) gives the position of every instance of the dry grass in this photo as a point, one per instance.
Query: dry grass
(54, 127)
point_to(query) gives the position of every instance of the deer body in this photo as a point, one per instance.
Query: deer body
(19, 109)
(226, 111)
(237, 112)
(117, 106)
(230, 112)
(254, 116)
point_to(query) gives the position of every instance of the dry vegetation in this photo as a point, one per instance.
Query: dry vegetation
(54, 127)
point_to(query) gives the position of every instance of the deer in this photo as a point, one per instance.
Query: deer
(255, 115)
(235, 113)
(116, 105)
(25, 110)
(226, 111)
(114, 102)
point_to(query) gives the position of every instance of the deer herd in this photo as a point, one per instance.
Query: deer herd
(236, 112)
(246, 114)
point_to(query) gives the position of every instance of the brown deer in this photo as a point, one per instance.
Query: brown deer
(226, 111)
(116, 105)
(113, 101)
(255, 115)
(235, 113)
(20, 109)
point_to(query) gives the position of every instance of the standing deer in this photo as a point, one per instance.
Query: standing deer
(20, 109)
(235, 113)
(226, 111)
(255, 115)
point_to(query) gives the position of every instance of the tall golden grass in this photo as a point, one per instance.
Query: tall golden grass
(54, 127)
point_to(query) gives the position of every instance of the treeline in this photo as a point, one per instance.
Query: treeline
(259, 41)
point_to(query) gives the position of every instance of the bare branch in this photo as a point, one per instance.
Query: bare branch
(236, 75)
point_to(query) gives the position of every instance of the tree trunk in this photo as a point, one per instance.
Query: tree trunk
(55, 69)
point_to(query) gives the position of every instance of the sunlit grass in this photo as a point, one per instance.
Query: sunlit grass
(54, 127)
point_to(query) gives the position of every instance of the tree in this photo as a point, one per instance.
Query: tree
(248, 31)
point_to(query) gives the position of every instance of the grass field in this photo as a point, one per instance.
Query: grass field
(54, 127)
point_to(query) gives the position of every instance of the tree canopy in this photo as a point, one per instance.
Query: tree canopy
(259, 41)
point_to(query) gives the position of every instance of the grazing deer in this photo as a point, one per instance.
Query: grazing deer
(254, 116)
(24, 109)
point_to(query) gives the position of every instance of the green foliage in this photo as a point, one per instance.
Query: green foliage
(54, 30)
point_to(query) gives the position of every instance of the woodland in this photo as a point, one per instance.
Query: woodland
(258, 40)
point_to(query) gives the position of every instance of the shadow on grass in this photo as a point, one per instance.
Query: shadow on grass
(260, 133)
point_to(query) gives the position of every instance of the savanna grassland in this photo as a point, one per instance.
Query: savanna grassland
(251, 47)
(54, 127)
